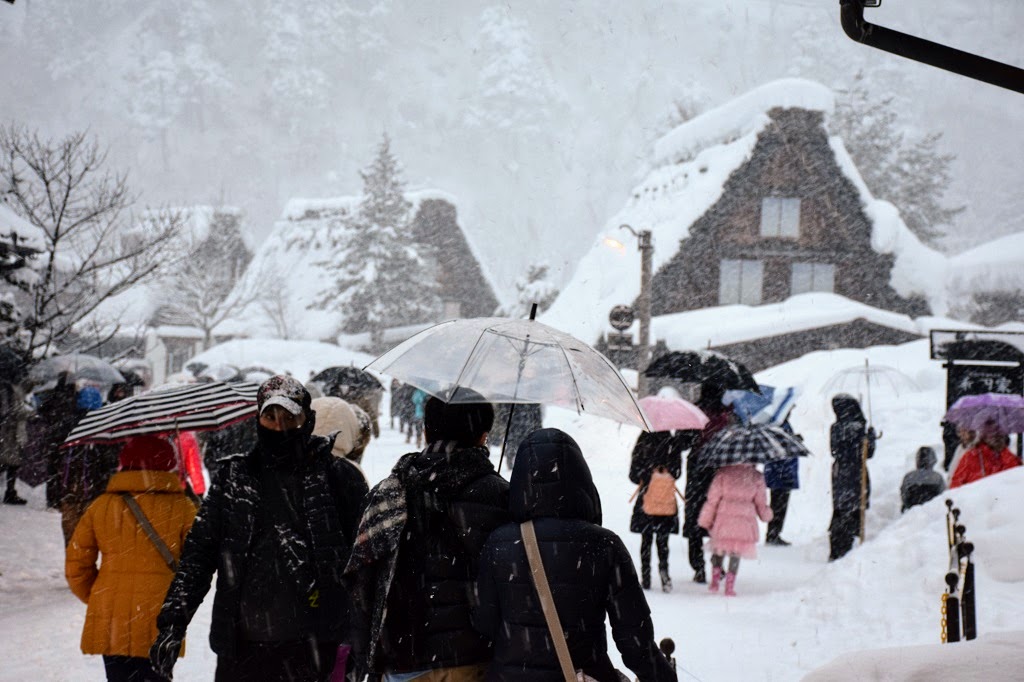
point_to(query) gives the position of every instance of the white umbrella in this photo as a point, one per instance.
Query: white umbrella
(512, 361)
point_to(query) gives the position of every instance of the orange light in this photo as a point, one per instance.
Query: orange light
(614, 243)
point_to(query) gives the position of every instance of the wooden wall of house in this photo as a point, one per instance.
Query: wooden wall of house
(436, 226)
(792, 158)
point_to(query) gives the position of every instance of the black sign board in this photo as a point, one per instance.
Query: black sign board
(977, 362)
(962, 379)
(621, 317)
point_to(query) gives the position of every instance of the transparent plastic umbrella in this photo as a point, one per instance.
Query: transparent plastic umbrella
(82, 367)
(512, 361)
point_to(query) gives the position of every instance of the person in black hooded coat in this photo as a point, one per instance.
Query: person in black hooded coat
(588, 567)
(848, 434)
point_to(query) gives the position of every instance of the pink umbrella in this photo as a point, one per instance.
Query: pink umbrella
(667, 413)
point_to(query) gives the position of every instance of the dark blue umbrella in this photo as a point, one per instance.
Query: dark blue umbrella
(771, 406)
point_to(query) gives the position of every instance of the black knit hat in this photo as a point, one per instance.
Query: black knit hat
(463, 422)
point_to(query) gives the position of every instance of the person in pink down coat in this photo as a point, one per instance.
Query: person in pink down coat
(736, 499)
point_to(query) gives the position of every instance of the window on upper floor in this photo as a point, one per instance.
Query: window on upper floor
(780, 217)
(809, 277)
(740, 281)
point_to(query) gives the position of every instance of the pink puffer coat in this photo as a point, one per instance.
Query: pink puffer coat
(736, 499)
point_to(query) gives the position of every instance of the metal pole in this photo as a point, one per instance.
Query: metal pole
(644, 305)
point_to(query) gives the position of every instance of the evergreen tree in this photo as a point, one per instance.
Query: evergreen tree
(515, 90)
(382, 281)
(911, 173)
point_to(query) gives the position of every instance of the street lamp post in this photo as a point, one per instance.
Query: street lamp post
(643, 306)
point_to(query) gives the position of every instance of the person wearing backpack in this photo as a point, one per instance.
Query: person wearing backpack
(125, 593)
(656, 464)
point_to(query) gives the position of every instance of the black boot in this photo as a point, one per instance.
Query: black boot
(11, 497)
(645, 576)
(699, 577)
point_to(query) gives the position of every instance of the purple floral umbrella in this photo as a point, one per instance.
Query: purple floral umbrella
(972, 411)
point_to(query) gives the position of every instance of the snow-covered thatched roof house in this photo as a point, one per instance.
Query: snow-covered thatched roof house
(19, 239)
(290, 268)
(141, 322)
(986, 283)
(749, 204)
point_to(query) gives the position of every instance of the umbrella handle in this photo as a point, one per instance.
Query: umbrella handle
(636, 492)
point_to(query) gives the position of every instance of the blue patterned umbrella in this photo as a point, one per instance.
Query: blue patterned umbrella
(751, 444)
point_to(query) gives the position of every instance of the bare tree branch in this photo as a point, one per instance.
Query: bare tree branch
(93, 248)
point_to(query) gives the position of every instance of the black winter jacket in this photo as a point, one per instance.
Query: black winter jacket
(454, 500)
(653, 450)
(589, 569)
(229, 537)
(847, 440)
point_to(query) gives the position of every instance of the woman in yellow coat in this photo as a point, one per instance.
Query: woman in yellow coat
(125, 594)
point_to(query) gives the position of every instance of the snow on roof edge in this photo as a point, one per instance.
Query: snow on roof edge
(737, 116)
(28, 234)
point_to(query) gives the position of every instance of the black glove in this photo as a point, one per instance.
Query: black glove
(165, 650)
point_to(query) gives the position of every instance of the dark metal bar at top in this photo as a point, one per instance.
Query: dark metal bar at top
(967, 605)
(925, 51)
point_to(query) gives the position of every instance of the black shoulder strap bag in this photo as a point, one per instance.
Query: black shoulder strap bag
(157, 541)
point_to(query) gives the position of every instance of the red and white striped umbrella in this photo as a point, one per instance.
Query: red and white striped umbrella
(192, 407)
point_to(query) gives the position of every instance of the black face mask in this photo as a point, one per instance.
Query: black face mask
(285, 448)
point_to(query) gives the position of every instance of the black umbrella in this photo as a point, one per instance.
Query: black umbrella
(344, 381)
(703, 367)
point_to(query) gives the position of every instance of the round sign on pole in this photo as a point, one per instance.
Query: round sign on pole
(621, 317)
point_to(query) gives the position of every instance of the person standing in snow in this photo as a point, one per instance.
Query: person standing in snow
(737, 498)
(277, 527)
(848, 436)
(966, 439)
(990, 456)
(781, 476)
(589, 569)
(57, 410)
(125, 593)
(418, 398)
(657, 455)
(526, 418)
(346, 423)
(414, 563)
(700, 473)
(84, 469)
(923, 483)
(13, 415)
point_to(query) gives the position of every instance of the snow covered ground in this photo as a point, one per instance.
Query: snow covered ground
(795, 611)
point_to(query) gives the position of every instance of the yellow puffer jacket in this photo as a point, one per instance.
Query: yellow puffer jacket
(126, 593)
